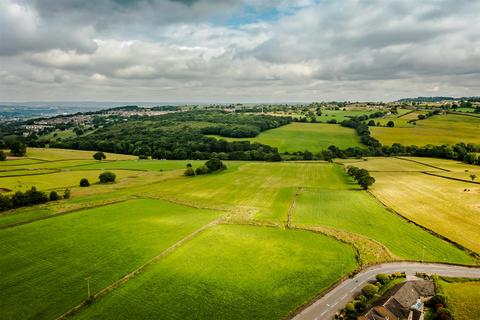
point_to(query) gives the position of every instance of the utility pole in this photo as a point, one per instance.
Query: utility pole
(88, 287)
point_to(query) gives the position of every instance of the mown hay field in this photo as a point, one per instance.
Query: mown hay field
(231, 272)
(448, 207)
(389, 164)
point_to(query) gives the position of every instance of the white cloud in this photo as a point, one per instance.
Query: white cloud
(156, 50)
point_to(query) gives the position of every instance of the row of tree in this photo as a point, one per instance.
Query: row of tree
(358, 123)
(468, 153)
(17, 148)
(28, 198)
(363, 177)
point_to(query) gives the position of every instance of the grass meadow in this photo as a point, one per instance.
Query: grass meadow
(341, 115)
(463, 297)
(440, 129)
(231, 272)
(298, 136)
(44, 264)
(356, 211)
(144, 165)
(62, 154)
(54, 180)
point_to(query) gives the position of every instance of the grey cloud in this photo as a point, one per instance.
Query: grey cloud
(312, 50)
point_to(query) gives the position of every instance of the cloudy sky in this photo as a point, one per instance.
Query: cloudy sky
(238, 50)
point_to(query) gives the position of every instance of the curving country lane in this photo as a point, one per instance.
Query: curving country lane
(326, 306)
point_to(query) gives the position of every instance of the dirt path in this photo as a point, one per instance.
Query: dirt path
(292, 207)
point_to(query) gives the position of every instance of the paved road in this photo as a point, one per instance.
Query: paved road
(326, 307)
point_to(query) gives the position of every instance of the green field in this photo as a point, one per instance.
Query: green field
(147, 165)
(357, 212)
(264, 190)
(65, 154)
(53, 180)
(440, 129)
(231, 272)
(48, 260)
(462, 298)
(298, 136)
(44, 264)
(341, 115)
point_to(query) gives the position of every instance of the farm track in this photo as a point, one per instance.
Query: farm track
(292, 207)
(137, 271)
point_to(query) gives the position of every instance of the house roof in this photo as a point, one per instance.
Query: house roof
(397, 302)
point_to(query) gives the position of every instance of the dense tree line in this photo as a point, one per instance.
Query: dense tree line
(214, 118)
(28, 198)
(467, 153)
(236, 131)
(358, 123)
(167, 142)
(363, 177)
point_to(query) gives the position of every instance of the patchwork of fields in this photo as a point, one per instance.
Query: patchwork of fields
(440, 129)
(248, 252)
(449, 207)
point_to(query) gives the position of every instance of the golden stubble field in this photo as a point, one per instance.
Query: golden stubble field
(448, 207)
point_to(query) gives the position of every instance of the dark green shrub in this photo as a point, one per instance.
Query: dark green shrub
(369, 290)
(66, 193)
(107, 177)
(189, 172)
(215, 164)
(99, 155)
(360, 306)
(383, 278)
(201, 170)
(84, 182)
(18, 149)
(53, 196)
